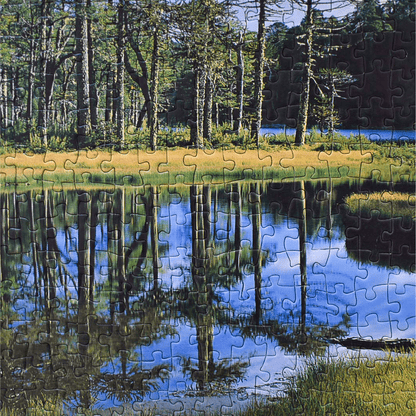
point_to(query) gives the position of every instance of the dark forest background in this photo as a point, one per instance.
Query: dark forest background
(82, 73)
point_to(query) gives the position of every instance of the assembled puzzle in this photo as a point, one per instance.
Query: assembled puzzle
(207, 207)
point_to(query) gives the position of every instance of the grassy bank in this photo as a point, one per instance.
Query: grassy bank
(360, 387)
(174, 166)
(389, 204)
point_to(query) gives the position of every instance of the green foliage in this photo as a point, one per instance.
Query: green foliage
(337, 142)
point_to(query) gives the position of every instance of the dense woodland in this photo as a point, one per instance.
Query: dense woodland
(83, 73)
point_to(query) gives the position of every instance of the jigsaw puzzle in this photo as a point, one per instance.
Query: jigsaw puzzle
(207, 207)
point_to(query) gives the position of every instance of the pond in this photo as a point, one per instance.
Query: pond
(371, 134)
(117, 297)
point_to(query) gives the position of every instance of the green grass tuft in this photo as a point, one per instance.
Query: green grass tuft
(368, 387)
(389, 204)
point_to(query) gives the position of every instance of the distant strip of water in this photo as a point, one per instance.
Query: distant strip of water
(375, 135)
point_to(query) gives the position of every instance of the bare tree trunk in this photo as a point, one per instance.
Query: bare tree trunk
(258, 77)
(240, 84)
(109, 97)
(196, 137)
(154, 90)
(119, 99)
(92, 79)
(17, 108)
(141, 80)
(42, 116)
(12, 95)
(209, 92)
(83, 103)
(64, 105)
(331, 125)
(201, 104)
(3, 101)
(30, 87)
(304, 98)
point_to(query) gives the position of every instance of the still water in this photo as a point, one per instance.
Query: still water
(371, 134)
(119, 296)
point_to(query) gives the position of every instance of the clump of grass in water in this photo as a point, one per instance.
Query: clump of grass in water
(368, 387)
(390, 204)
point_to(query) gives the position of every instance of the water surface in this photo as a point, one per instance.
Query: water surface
(115, 297)
(371, 134)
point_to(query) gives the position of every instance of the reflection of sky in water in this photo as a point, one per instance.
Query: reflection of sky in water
(379, 301)
(373, 135)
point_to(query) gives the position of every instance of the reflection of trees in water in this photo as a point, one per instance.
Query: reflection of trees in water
(103, 319)
(46, 371)
(202, 303)
(295, 337)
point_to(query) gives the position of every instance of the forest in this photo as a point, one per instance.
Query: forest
(132, 73)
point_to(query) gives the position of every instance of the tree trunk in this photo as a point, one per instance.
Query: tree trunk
(109, 97)
(3, 101)
(304, 98)
(42, 116)
(196, 138)
(119, 100)
(154, 90)
(12, 95)
(201, 104)
(331, 125)
(141, 80)
(240, 84)
(30, 88)
(92, 79)
(209, 92)
(51, 69)
(83, 104)
(258, 77)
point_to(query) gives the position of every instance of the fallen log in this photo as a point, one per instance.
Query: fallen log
(405, 344)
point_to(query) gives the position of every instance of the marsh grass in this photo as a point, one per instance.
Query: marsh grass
(389, 204)
(368, 387)
(228, 157)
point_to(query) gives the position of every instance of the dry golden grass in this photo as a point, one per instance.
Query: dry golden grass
(389, 204)
(62, 169)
